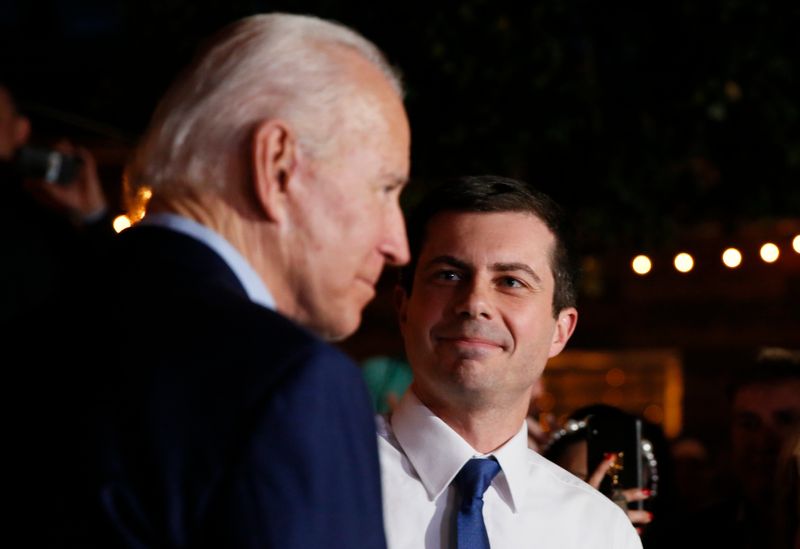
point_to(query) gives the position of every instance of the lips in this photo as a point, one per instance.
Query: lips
(371, 282)
(470, 336)
(471, 341)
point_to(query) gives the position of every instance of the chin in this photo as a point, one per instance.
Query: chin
(341, 328)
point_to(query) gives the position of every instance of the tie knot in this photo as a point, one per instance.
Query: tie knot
(475, 477)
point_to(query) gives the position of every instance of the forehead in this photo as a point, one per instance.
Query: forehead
(769, 396)
(484, 238)
(371, 98)
(374, 128)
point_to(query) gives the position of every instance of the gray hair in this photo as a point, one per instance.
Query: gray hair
(261, 67)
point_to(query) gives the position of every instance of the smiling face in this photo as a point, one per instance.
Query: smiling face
(478, 324)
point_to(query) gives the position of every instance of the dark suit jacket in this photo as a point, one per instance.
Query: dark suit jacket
(180, 414)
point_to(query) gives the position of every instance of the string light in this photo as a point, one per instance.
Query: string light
(732, 258)
(121, 222)
(770, 252)
(641, 264)
(684, 262)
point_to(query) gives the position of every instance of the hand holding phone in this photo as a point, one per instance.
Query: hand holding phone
(620, 435)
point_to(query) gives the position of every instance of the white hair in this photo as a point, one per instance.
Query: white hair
(261, 67)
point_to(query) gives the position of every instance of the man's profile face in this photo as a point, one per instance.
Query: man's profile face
(351, 221)
(765, 416)
(478, 325)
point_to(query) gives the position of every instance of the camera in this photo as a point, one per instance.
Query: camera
(47, 164)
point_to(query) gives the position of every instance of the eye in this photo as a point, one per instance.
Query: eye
(786, 418)
(393, 188)
(511, 282)
(447, 275)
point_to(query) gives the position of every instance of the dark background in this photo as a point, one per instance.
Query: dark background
(640, 118)
(659, 127)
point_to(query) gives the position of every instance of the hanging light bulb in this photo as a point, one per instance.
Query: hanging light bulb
(732, 258)
(684, 262)
(641, 264)
(770, 252)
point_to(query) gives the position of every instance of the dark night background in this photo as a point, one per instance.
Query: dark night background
(641, 118)
(657, 125)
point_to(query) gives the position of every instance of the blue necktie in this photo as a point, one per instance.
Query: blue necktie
(472, 481)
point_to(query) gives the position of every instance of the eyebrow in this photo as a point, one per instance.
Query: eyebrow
(511, 267)
(449, 260)
(497, 267)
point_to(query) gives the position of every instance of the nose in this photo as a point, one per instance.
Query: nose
(473, 300)
(394, 246)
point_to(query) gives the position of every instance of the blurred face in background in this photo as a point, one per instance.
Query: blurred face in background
(14, 129)
(766, 416)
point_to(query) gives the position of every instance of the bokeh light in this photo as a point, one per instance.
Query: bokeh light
(732, 258)
(684, 262)
(770, 252)
(615, 377)
(654, 413)
(121, 222)
(641, 264)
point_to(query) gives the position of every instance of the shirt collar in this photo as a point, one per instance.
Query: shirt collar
(252, 283)
(438, 453)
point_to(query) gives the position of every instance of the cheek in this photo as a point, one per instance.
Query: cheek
(532, 347)
(422, 314)
(360, 222)
(534, 327)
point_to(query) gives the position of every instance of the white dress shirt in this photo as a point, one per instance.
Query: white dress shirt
(531, 503)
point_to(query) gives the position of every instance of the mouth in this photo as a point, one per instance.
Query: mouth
(470, 342)
(369, 283)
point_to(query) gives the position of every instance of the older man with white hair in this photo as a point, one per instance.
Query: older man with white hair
(212, 411)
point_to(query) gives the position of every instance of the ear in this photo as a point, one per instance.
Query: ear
(565, 324)
(22, 130)
(274, 157)
(401, 306)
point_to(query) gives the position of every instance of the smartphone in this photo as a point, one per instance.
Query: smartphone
(47, 164)
(621, 435)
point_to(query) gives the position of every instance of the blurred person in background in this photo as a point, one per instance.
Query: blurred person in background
(761, 508)
(568, 447)
(46, 227)
(387, 379)
(696, 477)
(541, 424)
